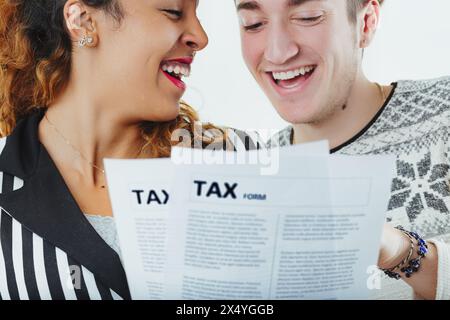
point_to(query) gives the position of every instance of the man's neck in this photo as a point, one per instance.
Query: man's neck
(363, 104)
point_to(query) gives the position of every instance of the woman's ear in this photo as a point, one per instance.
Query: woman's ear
(80, 24)
(369, 19)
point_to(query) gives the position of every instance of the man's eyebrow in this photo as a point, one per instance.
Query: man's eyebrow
(253, 5)
(248, 5)
(296, 3)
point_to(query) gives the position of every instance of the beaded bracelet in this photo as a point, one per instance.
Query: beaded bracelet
(409, 266)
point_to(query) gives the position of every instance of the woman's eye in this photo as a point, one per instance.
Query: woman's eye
(253, 27)
(176, 14)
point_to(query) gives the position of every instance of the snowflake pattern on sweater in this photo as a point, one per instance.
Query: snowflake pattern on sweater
(414, 126)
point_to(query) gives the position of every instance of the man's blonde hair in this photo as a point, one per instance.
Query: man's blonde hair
(355, 5)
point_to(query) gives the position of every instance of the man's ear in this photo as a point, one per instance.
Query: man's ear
(369, 19)
(80, 23)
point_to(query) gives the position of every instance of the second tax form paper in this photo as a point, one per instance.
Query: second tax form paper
(179, 243)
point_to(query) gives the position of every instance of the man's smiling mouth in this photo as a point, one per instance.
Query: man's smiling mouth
(291, 78)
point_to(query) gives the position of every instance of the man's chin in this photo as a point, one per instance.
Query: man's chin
(296, 114)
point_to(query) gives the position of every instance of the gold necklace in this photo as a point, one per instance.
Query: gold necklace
(78, 151)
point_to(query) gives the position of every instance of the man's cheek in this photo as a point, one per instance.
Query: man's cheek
(252, 55)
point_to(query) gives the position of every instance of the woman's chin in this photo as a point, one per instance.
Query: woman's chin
(168, 115)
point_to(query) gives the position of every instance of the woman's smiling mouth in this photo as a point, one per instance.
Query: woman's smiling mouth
(176, 69)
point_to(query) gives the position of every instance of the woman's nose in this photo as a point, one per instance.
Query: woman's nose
(195, 37)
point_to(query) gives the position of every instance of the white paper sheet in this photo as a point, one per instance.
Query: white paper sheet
(235, 234)
(313, 191)
(139, 192)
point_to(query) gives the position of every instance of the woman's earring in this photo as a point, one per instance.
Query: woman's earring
(85, 40)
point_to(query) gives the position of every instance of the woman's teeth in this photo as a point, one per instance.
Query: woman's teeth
(289, 75)
(177, 69)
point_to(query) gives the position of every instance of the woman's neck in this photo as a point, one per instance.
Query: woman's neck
(79, 132)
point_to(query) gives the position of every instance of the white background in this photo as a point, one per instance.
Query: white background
(413, 42)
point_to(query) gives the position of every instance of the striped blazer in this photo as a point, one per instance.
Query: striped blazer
(48, 249)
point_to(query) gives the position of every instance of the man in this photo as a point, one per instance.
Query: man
(306, 55)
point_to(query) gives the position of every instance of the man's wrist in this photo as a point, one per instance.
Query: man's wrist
(400, 246)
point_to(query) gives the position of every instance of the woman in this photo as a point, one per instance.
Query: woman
(82, 80)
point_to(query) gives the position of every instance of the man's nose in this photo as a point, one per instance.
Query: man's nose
(281, 46)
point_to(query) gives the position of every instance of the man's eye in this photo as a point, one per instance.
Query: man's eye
(176, 14)
(253, 27)
(308, 21)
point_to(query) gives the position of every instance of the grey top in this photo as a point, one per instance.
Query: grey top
(413, 125)
(106, 228)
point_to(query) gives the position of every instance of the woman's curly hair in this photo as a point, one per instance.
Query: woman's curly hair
(35, 64)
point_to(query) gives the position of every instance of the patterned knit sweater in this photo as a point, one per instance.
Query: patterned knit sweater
(413, 125)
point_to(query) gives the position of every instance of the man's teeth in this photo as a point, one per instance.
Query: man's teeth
(176, 69)
(292, 74)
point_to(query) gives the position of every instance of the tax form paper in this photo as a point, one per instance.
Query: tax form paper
(310, 230)
(140, 194)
